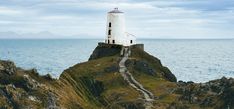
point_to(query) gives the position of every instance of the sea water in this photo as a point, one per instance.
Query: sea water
(189, 60)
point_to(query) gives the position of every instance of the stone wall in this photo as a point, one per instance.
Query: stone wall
(141, 46)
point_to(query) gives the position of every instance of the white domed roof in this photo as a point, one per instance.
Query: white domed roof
(116, 10)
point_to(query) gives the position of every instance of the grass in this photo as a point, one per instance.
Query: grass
(73, 92)
(116, 88)
(93, 69)
(156, 84)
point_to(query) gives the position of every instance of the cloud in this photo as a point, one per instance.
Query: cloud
(9, 11)
(148, 18)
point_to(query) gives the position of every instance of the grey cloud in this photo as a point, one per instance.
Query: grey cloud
(148, 18)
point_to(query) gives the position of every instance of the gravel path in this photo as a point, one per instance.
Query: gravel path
(148, 96)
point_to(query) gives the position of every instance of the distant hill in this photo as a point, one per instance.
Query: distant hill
(39, 35)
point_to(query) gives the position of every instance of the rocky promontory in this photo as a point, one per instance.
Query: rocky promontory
(98, 84)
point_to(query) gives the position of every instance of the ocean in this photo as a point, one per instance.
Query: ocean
(198, 60)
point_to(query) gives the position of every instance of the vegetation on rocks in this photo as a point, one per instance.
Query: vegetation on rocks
(97, 84)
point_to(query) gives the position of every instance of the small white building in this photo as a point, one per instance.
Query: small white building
(115, 29)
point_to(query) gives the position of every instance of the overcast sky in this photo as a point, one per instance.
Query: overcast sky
(144, 18)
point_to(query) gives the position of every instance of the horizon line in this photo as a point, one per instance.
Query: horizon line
(104, 39)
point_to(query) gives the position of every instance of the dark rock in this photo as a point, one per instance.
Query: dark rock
(206, 102)
(207, 94)
(112, 68)
(129, 63)
(104, 50)
(52, 101)
(181, 83)
(48, 77)
(22, 82)
(7, 67)
(139, 104)
(143, 66)
(228, 97)
(168, 75)
(177, 105)
(7, 71)
(179, 90)
(5, 92)
(190, 82)
(34, 72)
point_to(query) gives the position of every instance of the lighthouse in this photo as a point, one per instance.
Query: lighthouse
(116, 30)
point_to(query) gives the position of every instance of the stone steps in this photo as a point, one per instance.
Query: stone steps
(148, 96)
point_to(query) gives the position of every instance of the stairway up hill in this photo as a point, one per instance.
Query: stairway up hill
(139, 60)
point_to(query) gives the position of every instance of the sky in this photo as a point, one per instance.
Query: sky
(160, 19)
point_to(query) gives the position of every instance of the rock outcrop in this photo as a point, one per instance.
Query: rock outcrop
(20, 89)
(7, 67)
(105, 50)
(97, 84)
(218, 93)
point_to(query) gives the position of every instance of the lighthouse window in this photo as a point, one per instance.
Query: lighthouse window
(131, 41)
(109, 24)
(108, 41)
(113, 41)
(109, 32)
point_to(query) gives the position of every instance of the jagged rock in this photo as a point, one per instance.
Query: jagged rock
(48, 77)
(20, 88)
(168, 75)
(31, 84)
(221, 89)
(181, 83)
(8, 94)
(52, 101)
(7, 67)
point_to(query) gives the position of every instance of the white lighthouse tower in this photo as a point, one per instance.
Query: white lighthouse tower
(115, 29)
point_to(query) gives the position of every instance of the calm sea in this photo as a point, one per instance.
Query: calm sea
(189, 60)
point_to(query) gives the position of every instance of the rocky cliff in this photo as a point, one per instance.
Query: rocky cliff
(98, 83)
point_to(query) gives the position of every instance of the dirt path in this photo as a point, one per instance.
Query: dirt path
(148, 96)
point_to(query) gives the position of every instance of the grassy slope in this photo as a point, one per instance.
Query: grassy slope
(116, 90)
(90, 86)
(160, 87)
